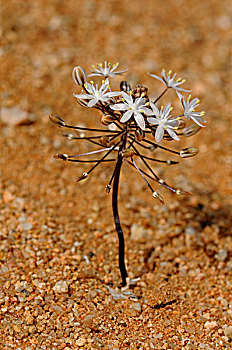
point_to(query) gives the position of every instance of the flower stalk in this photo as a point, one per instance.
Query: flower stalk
(121, 249)
(133, 128)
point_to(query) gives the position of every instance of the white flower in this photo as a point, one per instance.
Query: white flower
(163, 122)
(189, 109)
(94, 94)
(169, 81)
(133, 108)
(106, 71)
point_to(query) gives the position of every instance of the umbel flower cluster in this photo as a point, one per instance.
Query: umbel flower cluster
(132, 126)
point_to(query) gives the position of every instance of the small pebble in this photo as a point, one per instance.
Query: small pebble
(210, 325)
(61, 287)
(228, 331)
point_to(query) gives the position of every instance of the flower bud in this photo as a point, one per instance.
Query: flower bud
(57, 120)
(61, 156)
(181, 123)
(79, 75)
(191, 130)
(158, 196)
(108, 188)
(107, 119)
(125, 86)
(139, 135)
(104, 141)
(188, 152)
(82, 177)
(82, 103)
(128, 153)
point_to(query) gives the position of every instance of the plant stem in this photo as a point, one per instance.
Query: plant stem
(118, 227)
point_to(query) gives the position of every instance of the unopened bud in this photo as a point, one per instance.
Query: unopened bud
(69, 136)
(170, 162)
(125, 86)
(82, 103)
(181, 123)
(139, 135)
(188, 152)
(57, 120)
(128, 153)
(61, 156)
(82, 177)
(104, 141)
(152, 147)
(107, 119)
(108, 188)
(191, 130)
(79, 75)
(178, 192)
(158, 196)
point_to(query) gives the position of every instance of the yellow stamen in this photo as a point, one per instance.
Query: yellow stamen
(170, 72)
(142, 94)
(171, 109)
(183, 80)
(178, 118)
(86, 86)
(178, 80)
(130, 92)
(91, 82)
(189, 97)
(203, 113)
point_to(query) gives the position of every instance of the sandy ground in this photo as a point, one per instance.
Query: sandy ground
(59, 280)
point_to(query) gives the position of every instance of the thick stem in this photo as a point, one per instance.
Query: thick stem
(118, 227)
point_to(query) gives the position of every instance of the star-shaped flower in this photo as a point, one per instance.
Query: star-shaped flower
(163, 122)
(107, 71)
(189, 109)
(170, 81)
(96, 94)
(133, 108)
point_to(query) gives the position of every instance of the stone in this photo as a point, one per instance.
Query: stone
(61, 287)
(15, 116)
(139, 233)
(210, 325)
(228, 331)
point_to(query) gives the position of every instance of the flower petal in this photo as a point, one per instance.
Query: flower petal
(196, 119)
(159, 134)
(93, 102)
(140, 120)
(155, 109)
(120, 107)
(126, 116)
(84, 96)
(166, 110)
(172, 123)
(127, 98)
(157, 77)
(172, 134)
(113, 93)
(147, 111)
(154, 121)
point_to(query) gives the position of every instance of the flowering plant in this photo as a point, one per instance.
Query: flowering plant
(132, 124)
